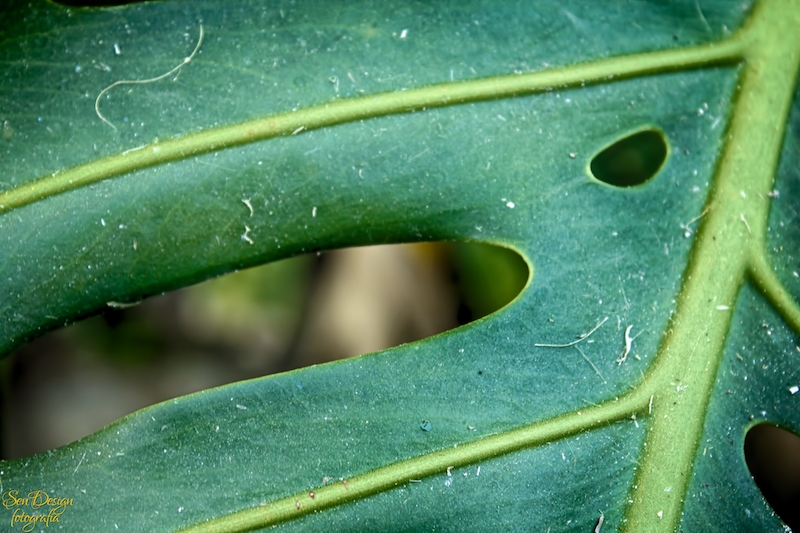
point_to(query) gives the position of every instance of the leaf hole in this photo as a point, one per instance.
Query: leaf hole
(632, 160)
(773, 457)
(284, 315)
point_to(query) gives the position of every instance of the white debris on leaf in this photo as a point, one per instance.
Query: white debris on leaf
(245, 236)
(246, 201)
(628, 344)
(509, 204)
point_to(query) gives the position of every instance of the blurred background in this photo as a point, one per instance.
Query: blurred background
(293, 313)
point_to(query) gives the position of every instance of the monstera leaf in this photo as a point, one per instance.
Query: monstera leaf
(152, 146)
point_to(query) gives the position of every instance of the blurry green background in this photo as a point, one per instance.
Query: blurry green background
(298, 312)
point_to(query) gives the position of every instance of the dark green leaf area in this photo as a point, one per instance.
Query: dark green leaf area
(783, 236)
(753, 386)
(569, 482)
(582, 475)
(457, 173)
(631, 161)
(258, 59)
(496, 171)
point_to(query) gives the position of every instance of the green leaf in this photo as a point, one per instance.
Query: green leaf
(326, 124)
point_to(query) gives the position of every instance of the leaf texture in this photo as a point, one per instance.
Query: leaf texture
(355, 123)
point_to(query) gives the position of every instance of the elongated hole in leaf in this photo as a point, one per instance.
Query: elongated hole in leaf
(632, 160)
(773, 457)
(288, 314)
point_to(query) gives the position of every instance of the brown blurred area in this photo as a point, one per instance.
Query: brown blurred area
(294, 313)
(773, 457)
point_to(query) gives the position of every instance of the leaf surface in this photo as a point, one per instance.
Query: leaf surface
(325, 124)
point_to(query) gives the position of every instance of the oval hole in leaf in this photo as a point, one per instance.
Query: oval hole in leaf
(773, 457)
(631, 161)
(74, 381)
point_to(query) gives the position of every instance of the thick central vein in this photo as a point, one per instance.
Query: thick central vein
(732, 233)
(343, 111)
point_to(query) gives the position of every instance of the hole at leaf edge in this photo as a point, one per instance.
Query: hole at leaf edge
(773, 458)
(632, 160)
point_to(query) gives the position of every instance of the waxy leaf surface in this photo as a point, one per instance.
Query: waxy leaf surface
(300, 126)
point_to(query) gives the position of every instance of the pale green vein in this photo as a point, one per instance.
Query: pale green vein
(771, 287)
(684, 372)
(342, 111)
(388, 477)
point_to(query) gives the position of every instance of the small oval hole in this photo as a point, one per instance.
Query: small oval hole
(631, 161)
(773, 457)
